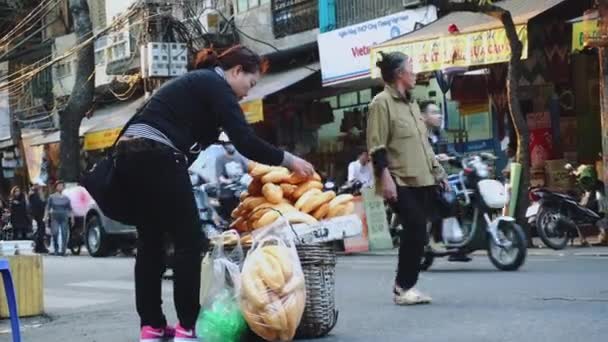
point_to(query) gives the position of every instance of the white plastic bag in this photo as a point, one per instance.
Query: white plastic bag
(220, 318)
(452, 232)
(208, 265)
(273, 292)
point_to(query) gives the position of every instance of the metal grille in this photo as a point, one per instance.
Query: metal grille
(294, 16)
(350, 12)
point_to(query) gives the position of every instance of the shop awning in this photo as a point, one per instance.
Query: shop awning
(271, 83)
(481, 39)
(111, 116)
(102, 132)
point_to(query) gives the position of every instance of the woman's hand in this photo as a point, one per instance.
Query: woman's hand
(301, 167)
(389, 188)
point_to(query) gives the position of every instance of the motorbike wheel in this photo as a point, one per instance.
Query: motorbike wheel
(552, 228)
(427, 260)
(512, 256)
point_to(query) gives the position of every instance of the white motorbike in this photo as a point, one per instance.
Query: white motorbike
(473, 219)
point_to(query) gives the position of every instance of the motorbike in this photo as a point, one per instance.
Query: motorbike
(558, 217)
(474, 221)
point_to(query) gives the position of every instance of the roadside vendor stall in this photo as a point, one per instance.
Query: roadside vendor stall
(286, 224)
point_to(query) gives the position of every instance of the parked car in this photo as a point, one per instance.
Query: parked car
(104, 236)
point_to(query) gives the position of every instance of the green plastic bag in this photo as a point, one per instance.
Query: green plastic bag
(220, 318)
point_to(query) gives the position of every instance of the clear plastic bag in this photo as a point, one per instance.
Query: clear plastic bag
(220, 318)
(273, 292)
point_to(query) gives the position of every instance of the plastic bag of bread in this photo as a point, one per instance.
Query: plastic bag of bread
(220, 318)
(273, 291)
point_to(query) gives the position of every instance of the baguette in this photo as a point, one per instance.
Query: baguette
(272, 193)
(294, 308)
(254, 290)
(274, 314)
(341, 210)
(316, 201)
(342, 199)
(255, 188)
(257, 324)
(269, 217)
(276, 176)
(243, 196)
(268, 268)
(302, 199)
(304, 187)
(296, 179)
(251, 203)
(321, 212)
(250, 166)
(288, 189)
(282, 256)
(296, 217)
(260, 170)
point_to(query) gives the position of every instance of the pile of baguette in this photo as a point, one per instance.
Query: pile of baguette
(275, 192)
(273, 293)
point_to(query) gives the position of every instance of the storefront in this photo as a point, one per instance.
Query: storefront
(345, 56)
(467, 52)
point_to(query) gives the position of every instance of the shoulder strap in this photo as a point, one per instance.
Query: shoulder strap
(124, 129)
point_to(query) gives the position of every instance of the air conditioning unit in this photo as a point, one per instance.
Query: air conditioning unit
(160, 59)
(156, 60)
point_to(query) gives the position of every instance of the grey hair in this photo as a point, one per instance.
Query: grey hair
(392, 64)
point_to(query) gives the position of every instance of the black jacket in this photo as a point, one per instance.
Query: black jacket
(37, 206)
(194, 107)
(19, 217)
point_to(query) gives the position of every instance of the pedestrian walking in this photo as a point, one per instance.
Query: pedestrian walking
(59, 211)
(182, 118)
(405, 166)
(20, 219)
(37, 208)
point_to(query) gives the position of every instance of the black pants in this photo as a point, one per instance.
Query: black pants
(156, 179)
(40, 235)
(227, 205)
(415, 209)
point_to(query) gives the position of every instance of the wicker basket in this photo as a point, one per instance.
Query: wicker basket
(320, 315)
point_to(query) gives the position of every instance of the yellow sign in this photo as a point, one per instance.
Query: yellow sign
(463, 50)
(254, 110)
(100, 139)
(584, 32)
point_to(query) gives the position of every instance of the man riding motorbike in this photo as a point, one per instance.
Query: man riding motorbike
(230, 168)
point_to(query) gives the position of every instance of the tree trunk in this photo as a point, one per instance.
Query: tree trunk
(81, 99)
(603, 55)
(519, 120)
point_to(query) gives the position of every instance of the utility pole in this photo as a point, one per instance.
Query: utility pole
(81, 98)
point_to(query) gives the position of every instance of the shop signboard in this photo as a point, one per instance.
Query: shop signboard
(100, 139)
(5, 110)
(584, 32)
(254, 110)
(463, 50)
(345, 52)
(377, 224)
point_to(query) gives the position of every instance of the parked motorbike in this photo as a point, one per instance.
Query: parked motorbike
(558, 217)
(474, 223)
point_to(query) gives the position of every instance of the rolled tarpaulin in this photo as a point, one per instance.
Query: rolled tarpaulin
(515, 179)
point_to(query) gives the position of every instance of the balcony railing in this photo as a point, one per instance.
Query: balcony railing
(294, 16)
(350, 12)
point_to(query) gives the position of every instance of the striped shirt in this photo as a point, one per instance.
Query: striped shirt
(141, 130)
(150, 133)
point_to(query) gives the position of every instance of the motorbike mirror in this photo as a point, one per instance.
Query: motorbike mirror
(569, 167)
(329, 185)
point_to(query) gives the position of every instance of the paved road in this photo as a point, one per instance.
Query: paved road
(553, 298)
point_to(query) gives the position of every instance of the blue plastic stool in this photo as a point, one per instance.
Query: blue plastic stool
(11, 299)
